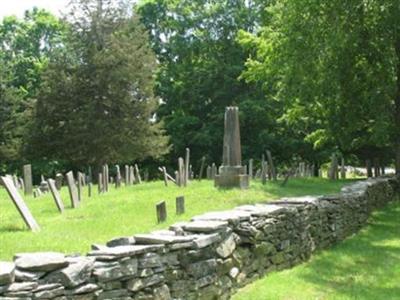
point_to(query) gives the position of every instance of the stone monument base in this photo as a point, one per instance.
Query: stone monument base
(231, 177)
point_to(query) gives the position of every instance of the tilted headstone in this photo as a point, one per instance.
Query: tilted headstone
(56, 194)
(165, 176)
(20, 204)
(132, 178)
(180, 205)
(203, 161)
(138, 177)
(28, 179)
(161, 209)
(73, 192)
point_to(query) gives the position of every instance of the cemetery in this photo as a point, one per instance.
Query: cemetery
(211, 150)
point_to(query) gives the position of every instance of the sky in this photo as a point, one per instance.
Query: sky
(18, 7)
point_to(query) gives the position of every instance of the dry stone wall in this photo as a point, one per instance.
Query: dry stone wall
(207, 258)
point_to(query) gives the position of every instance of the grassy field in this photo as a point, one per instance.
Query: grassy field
(365, 266)
(127, 211)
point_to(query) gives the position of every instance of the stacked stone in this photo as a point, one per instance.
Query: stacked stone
(207, 258)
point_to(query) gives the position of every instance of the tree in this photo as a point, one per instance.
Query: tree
(200, 65)
(334, 66)
(96, 104)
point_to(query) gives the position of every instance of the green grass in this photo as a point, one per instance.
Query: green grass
(365, 266)
(127, 211)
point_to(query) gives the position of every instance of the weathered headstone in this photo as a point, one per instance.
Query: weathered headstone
(73, 193)
(208, 172)
(177, 178)
(56, 194)
(59, 180)
(80, 186)
(28, 180)
(203, 161)
(187, 163)
(161, 209)
(132, 177)
(127, 181)
(89, 185)
(165, 176)
(180, 205)
(15, 181)
(117, 176)
(21, 183)
(100, 183)
(138, 177)
(20, 204)
(251, 161)
(213, 171)
(181, 171)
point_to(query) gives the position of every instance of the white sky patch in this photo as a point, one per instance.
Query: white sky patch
(18, 7)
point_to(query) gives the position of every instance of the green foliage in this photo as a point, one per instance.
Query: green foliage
(333, 66)
(96, 104)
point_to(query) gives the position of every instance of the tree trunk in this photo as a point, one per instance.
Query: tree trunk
(397, 109)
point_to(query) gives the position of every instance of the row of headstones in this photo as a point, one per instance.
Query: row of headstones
(182, 175)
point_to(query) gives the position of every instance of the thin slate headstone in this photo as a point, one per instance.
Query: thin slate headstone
(180, 205)
(89, 189)
(73, 192)
(127, 180)
(132, 178)
(118, 177)
(138, 177)
(165, 176)
(28, 179)
(213, 171)
(20, 204)
(251, 162)
(80, 186)
(203, 161)
(56, 195)
(161, 209)
(181, 171)
(187, 164)
(100, 183)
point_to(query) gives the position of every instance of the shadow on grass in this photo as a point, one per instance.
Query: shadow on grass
(366, 266)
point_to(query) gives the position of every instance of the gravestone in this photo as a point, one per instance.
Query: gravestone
(20, 204)
(161, 209)
(59, 180)
(117, 176)
(15, 181)
(232, 173)
(138, 177)
(56, 194)
(165, 176)
(132, 178)
(213, 171)
(100, 183)
(180, 205)
(73, 192)
(187, 163)
(28, 180)
(80, 186)
(251, 168)
(89, 185)
(203, 161)
(127, 181)
(181, 171)
(208, 172)
(21, 183)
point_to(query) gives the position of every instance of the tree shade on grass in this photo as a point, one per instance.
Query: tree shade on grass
(129, 210)
(365, 266)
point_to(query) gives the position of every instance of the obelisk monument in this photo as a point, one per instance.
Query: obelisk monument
(232, 173)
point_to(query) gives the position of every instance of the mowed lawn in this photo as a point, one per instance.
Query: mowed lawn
(365, 266)
(129, 210)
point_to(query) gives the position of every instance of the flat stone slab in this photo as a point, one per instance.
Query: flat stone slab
(228, 216)
(123, 251)
(261, 210)
(7, 272)
(161, 239)
(40, 261)
(204, 226)
(205, 240)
